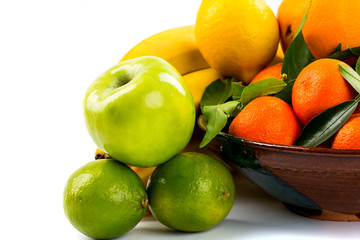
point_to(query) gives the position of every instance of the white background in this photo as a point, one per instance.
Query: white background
(50, 51)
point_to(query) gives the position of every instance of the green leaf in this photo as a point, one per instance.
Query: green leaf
(345, 54)
(297, 56)
(285, 94)
(238, 88)
(355, 51)
(324, 125)
(217, 117)
(301, 24)
(357, 67)
(216, 93)
(351, 76)
(237, 110)
(336, 51)
(264, 87)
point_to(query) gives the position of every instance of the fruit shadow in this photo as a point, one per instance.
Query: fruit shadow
(255, 214)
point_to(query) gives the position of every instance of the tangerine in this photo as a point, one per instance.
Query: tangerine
(267, 119)
(289, 15)
(273, 71)
(348, 136)
(329, 23)
(318, 87)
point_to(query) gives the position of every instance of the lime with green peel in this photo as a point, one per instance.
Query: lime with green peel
(105, 199)
(191, 192)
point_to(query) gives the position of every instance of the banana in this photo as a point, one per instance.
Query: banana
(177, 46)
(143, 173)
(198, 81)
(99, 154)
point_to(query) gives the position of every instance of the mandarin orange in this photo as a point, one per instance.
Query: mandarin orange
(289, 15)
(348, 136)
(273, 71)
(329, 23)
(318, 87)
(267, 119)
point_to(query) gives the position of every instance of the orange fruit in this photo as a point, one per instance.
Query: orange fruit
(237, 37)
(266, 119)
(273, 71)
(330, 22)
(289, 15)
(348, 136)
(318, 87)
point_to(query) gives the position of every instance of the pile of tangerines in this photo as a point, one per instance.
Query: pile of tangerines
(319, 85)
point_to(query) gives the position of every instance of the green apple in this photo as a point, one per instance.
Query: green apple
(140, 111)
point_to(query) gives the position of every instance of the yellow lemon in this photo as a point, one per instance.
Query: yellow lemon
(237, 37)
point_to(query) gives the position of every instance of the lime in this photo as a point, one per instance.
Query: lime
(104, 199)
(191, 192)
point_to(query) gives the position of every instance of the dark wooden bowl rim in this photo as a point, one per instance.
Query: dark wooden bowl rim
(279, 147)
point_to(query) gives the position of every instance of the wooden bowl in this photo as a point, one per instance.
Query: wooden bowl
(319, 183)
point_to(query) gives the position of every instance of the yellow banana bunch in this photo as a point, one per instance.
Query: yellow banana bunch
(177, 46)
(198, 81)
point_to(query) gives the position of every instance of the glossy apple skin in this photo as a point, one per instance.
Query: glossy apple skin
(140, 112)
